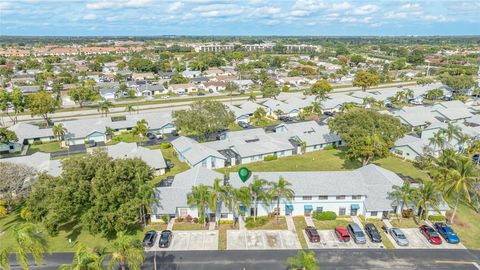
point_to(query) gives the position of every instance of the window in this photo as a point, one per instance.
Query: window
(340, 197)
(342, 211)
(356, 197)
(159, 217)
(319, 209)
(223, 215)
(307, 198)
(323, 197)
(204, 163)
(373, 213)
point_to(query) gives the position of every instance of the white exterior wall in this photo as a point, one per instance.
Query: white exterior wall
(404, 152)
(260, 157)
(207, 163)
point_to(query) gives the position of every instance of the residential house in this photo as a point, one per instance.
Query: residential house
(197, 154)
(39, 161)
(191, 74)
(182, 88)
(278, 108)
(213, 86)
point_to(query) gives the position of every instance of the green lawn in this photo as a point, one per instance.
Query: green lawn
(126, 137)
(222, 235)
(329, 224)
(272, 224)
(45, 147)
(405, 223)
(264, 122)
(300, 226)
(467, 226)
(327, 160)
(189, 227)
(170, 154)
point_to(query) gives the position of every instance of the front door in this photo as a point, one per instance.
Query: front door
(212, 217)
(353, 212)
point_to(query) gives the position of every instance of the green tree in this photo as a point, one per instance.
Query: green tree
(357, 58)
(203, 117)
(279, 190)
(238, 197)
(366, 79)
(434, 94)
(27, 240)
(199, 197)
(320, 89)
(104, 107)
(14, 101)
(141, 129)
(178, 79)
(59, 131)
(41, 103)
(252, 97)
(84, 259)
(416, 57)
(303, 261)
(258, 193)
(7, 136)
(437, 141)
(369, 134)
(231, 87)
(270, 89)
(259, 113)
(459, 83)
(219, 194)
(428, 195)
(404, 195)
(57, 89)
(86, 92)
(424, 81)
(127, 252)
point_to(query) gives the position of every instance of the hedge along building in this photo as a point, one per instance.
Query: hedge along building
(362, 191)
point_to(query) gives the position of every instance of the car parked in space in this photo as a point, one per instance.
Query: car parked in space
(165, 239)
(373, 233)
(447, 233)
(151, 136)
(476, 158)
(243, 124)
(149, 238)
(342, 234)
(398, 236)
(312, 234)
(169, 163)
(328, 113)
(356, 233)
(431, 235)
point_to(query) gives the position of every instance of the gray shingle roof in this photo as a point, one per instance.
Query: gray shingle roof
(193, 151)
(29, 131)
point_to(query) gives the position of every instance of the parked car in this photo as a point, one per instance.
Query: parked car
(175, 133)
(431, 235)
(92, 143)
(200, 94)
(476, 158)
(328, 113)
(243, 124)
(342, 234)
(398, 236)
(169, 163)
(356, 233)
(149, 238)
(389, 105)
(373, 233)
(447, 233)
(165, 239)
(312, 234)
(151, 136)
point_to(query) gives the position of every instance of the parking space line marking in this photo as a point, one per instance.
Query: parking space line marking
(459, 262)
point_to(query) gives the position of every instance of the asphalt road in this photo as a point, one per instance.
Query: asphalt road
(424, 259)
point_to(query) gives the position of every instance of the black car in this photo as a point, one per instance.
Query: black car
(92, 143)
(373, 233)
(169, 163)
(328, 113)
(243, 124)
(200, 94)
(165, 239)
(151, 136)
(175, 133)
(149, 238)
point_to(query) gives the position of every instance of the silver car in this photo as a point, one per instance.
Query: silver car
(356, 233)
(399, 236)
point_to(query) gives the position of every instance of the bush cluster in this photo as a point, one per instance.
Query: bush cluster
(327, 215)
(436, 218)
(260, 221)
(270, 157)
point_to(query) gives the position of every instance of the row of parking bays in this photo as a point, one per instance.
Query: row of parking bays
(190, 240)
(417, 240)
(328, 239)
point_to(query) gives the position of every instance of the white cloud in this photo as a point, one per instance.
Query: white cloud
(410, 6)
(340, 6)
(175, 7)
(438, 18)
(110, 4)
(366, 9)
(89, 17)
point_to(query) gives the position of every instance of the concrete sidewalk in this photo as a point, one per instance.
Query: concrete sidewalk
(309, 221)
(290, 224)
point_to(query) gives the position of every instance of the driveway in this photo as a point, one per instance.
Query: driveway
(328, 239)
(190, 240)
(262, 239)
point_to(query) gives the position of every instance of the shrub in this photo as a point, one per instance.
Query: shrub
(270, 157)
(188, 219)
(260, 221)
(436, 218)
(201, 220)
(165, 218)
(361, 217)
(226, 221)
(165, 145)
(179, 219)
(327, 215)
(329, 147)
(37, 142)
(195, 220)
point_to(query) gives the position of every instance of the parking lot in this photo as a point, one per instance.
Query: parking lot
(417, 240)
(328, 239)
(190, 240)
(262, 239)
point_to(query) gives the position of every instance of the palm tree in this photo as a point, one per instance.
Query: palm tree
(303, 261)
(438, 140)
(84, 259)
(279, 190)
(443, 164)
(451, 132)
(145, 190)
(28, 240)
(199, 197)
(464, 141)
(4, 255)
(141, 129)
(104, 107)
(404, 194)
(110, 132)
(252, 97)
(408, 93)
(127, 251)
(129, 108)
(218, 194)
(347, 106)
(59, 131)
(238, 197)
(400, 97)
(369, 101)
(257, 191)
(460, 181)
(428, 195)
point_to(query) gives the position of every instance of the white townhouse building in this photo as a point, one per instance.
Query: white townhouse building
(27, 134)
(196, 154)
(278, 108)
(362, 191)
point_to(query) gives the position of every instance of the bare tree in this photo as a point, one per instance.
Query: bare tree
(15, 181)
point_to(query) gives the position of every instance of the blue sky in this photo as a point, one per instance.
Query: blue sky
(236, 17)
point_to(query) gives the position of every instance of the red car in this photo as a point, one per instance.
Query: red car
(342, 234)
(312, 234)
(431, 235)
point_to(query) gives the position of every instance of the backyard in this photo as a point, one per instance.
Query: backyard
(45, 147)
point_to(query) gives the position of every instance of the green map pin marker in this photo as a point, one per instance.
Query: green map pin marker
(244, 174)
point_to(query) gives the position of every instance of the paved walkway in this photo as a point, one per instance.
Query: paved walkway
(211, 226)
(241, 223)
(357, 220)
(387, 223)
(290, 224)
(170, 224)
(309, 221)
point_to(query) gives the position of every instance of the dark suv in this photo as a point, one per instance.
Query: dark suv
(312, 234)
(149, 238)
(373, 233)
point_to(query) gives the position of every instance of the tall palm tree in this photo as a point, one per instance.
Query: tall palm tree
(219, 194)
(199, 197)
(281, 190)
(127, 251)
(141, 129)
(104, 107)
(252, 97)
(428, 195)
(59, 131)
(303, 261)
(460, 182)
(403, 194)
(408, 93)
(443, 164)
(258, 193)
(438, 140)
(347, 106)
(28, 240)
(129, 108)
(451, 132)
(145, 190)
(4, 255)
(464, 141)
(84, 259)
(399, 97)
(110, 132)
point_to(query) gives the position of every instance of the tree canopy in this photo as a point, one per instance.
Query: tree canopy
(369, 134)
(366, 79)
(320, 89)
(270, 89)
(41, 103)
(7, 135)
